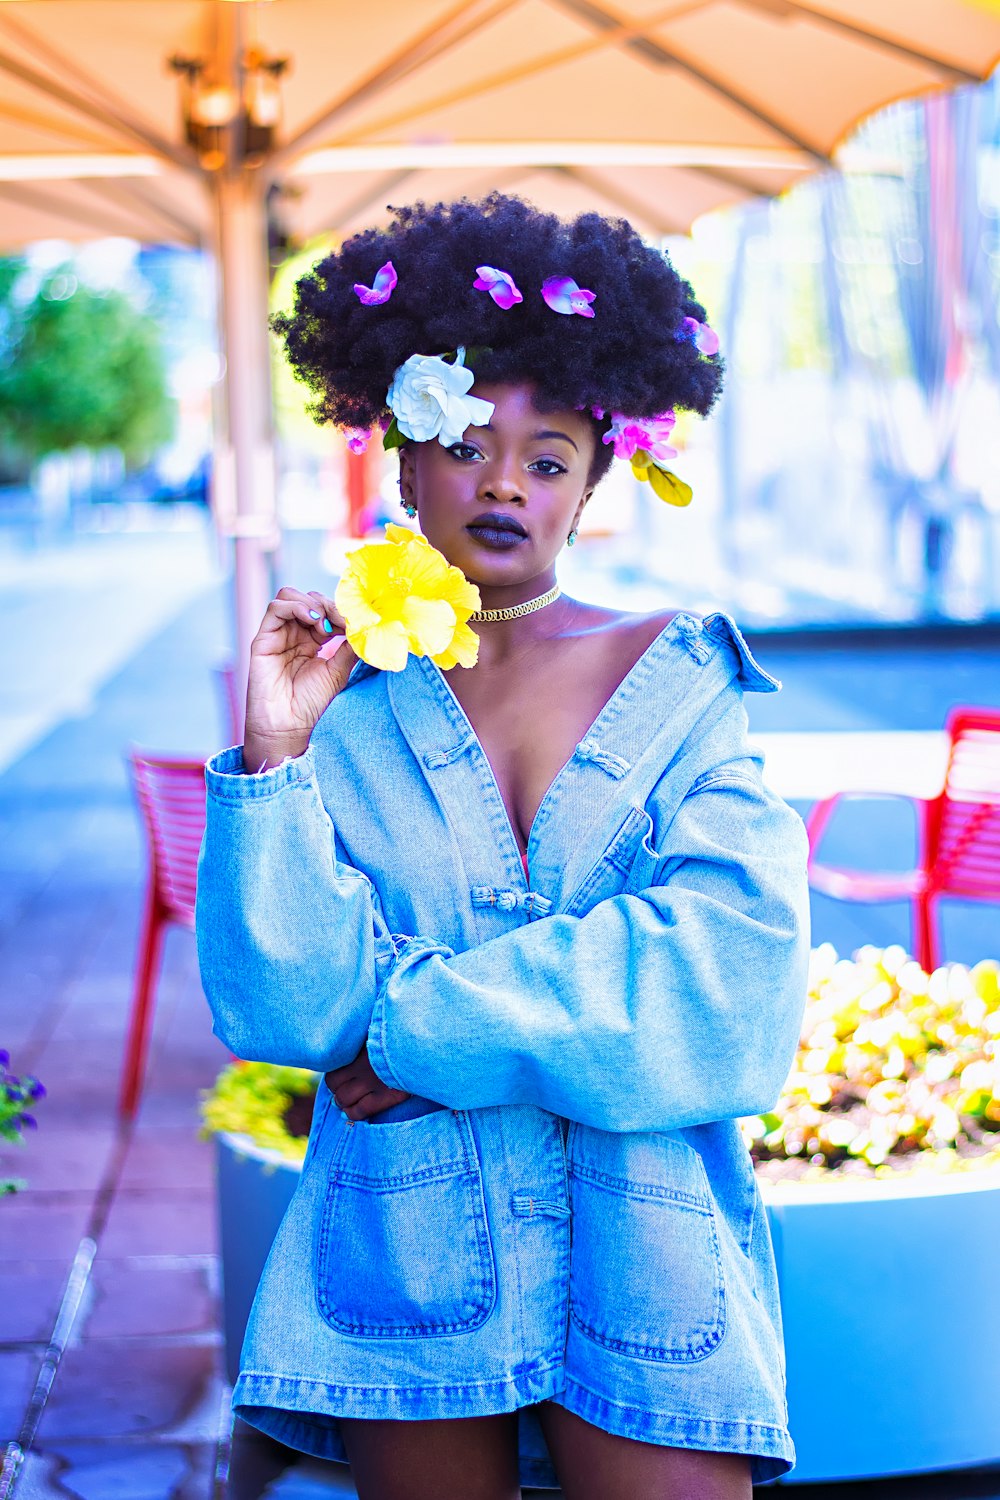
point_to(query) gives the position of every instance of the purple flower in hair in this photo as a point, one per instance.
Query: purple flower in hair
(705, 339)
(381, 288)
(358, 439)
(564, 296)
(500, 286)
(650, 434)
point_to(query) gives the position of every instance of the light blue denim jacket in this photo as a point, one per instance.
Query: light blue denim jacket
(646, 986)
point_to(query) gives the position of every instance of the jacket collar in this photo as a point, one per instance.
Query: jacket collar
(641, 730)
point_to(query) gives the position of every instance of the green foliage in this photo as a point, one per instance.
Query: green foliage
(79, 366)
(17, 1097)
(896, 1070)
(258, 1100)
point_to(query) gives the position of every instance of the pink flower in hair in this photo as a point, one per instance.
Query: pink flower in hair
(358, 439)
(564, 296)
(500, 286)
(649, 434)
(705, 339)
(381, 288)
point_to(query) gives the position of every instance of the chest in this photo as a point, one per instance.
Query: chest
(529, 716)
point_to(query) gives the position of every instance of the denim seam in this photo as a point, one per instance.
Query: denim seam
(682, 1418)
(459, 1388)
(738, 780)
(627, 1188)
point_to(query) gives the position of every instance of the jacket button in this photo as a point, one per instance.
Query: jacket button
(506, 900)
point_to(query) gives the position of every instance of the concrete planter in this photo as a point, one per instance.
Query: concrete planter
(255, 1186)
(891, 1302)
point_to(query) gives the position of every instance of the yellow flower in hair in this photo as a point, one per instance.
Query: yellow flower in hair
(664, 484)
(401, 596)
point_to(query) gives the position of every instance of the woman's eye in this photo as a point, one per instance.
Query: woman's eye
(464, 451)
(547, 466)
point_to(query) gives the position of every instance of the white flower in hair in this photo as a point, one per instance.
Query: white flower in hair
(430, 398)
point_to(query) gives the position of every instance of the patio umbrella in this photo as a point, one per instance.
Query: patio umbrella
(661, 109)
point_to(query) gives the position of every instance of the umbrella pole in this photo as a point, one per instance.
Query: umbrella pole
(247, 514)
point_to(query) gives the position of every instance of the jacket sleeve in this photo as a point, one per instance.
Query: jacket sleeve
(291, 941)
(673, 1006)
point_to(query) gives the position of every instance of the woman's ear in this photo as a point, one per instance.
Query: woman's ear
(582, 506)
(407, 476)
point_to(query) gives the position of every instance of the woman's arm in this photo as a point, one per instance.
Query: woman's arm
(291, 945)
(671, 1007)
(290, 939)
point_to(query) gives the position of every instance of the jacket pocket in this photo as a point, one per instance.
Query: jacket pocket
(628, 863)
(403, 1247)
(646, 1273)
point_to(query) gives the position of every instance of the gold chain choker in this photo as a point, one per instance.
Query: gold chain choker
(482, 616)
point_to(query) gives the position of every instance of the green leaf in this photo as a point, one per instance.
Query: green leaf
(392, 437)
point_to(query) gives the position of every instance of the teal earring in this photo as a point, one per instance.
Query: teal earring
(571, 538)
(411, 510)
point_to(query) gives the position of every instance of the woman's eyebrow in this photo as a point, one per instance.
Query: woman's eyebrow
(536, 437)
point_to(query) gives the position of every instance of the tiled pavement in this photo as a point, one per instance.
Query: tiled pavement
(109, 1350)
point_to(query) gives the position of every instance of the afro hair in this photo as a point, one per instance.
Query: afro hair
(631, 357)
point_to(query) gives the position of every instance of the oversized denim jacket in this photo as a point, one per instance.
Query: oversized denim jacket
(618, 1012)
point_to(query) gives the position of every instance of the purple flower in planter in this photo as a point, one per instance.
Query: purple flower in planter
(381, 288)
(36, 1090)
(500, 286)
(564, 296)
(4, 1058)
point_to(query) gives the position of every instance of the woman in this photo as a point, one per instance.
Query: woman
(537, 920)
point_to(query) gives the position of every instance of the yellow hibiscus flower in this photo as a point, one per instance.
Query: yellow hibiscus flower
(401, 596)
(664, 484)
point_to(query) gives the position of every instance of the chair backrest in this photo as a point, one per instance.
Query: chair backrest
(963, 823)
(171, 797)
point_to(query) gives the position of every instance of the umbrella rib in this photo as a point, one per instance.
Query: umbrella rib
(630, 205)
(456, 27)
(363, 201)
(51, 126)
(515, 74)
(31, 197)
(914, 54)
(120, 190)
(660, 56)
(99, 106)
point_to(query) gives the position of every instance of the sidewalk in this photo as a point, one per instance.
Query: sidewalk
(110, 1369)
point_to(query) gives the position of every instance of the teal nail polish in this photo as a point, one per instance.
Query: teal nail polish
(314, 614)
(328, 627)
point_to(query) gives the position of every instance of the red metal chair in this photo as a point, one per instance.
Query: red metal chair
(232, 708)
(171, 797)
(959, 836)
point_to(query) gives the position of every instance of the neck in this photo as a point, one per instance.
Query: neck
(507, 596)
(501, 640)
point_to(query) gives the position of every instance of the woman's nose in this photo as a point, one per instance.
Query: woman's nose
(502, 482)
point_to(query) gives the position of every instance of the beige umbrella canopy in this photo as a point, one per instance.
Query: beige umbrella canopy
(659, 109)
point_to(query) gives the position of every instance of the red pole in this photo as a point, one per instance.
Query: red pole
(359, 486)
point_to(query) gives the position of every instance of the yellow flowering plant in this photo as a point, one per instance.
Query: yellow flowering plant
(269, 1103)
(401, 596)
(897, 1070)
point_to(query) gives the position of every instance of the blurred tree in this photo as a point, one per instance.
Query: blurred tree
(78, 366)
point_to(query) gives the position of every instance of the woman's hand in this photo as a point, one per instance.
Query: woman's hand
(299, 662)
(358, 1090)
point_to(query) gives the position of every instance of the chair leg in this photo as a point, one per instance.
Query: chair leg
(141, 1010)
(926, 933)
